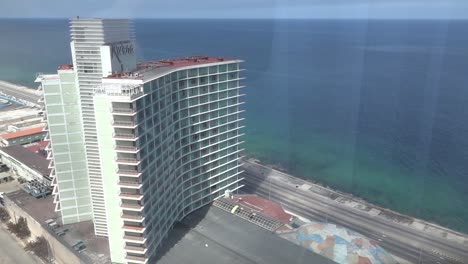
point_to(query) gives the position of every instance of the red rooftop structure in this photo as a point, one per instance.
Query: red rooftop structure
(167, 63)
(22, 137)
(264, 206)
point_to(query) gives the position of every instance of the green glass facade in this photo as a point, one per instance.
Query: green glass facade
(66, 143)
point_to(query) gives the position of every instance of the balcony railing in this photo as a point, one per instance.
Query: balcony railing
(130, 184)
(132, 196)
(135, 239)
(126, 148)
(123, 111)
(138, 218)
(137, 229)
(136, 259)
(123, 136)
(129, 124)
(132, 207)
(131, 173)
(141, 250)
(127, 161)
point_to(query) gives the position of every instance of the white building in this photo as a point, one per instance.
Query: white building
(161, 138)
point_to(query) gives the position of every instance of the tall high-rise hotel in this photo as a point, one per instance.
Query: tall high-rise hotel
(137, 146)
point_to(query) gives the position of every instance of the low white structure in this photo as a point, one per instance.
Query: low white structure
(25, 163)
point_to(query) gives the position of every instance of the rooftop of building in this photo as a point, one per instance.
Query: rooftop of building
(22, 133)
(211, 235)
(42, 209)
(264, 206)
(65, 67)
(36, 146)
(146, 68)
(207, 236)
(28, 158)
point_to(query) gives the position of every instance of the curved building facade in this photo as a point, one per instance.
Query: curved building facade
(169, 140)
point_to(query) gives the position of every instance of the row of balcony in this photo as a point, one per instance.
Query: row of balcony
(134, 229)
(123, 111)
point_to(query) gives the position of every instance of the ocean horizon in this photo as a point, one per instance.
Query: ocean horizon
(375, 108)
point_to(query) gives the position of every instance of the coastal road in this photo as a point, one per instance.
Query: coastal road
(11, 251)
(399, 240)
(19, 92)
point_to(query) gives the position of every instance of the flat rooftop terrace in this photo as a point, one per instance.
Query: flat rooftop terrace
(212, 236)
(145, 68)
(29, 159)
(42, 209)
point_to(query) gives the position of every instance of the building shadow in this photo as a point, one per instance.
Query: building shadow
(255, 175)
(180, 230)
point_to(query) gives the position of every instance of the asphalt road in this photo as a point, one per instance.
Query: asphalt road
(11, 90)
(12, 252)
(404, 242)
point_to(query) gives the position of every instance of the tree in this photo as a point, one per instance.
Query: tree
(39, 247)
(21, 180)
(20, 228)
(4, 215)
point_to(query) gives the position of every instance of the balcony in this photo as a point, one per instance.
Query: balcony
(123, 111)
(133, 249)
(133, 218)
(124, 124)
(130, 184)
(127, 161)
(135, 259)
(126, 149)
(131, 196)
(135, 239)
(132, 207)
(136, 229)
(122, 136)
(129, 173)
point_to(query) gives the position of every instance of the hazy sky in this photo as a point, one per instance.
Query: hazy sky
(435, 9)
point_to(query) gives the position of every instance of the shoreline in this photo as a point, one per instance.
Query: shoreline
(20, 87)
(365, 206)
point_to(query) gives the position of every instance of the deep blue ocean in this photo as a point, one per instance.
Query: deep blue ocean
(375, 108)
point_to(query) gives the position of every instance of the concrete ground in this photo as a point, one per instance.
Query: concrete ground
(12, 252)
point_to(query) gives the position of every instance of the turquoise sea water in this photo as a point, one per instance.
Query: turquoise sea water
(375, 108)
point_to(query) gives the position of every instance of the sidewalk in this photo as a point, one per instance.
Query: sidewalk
(11, 251)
